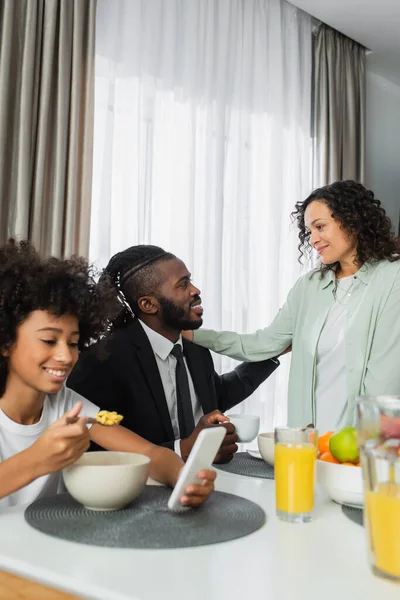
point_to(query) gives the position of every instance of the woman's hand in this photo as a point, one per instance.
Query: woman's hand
(197, 494)
(61, 444)
(188, 335)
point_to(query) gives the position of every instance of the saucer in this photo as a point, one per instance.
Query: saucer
(255, 454)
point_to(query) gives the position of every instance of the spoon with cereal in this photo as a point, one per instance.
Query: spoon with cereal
(103, 417)
(106, 417)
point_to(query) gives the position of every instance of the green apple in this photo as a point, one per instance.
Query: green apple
(343, 445)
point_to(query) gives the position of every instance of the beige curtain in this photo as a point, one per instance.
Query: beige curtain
(339, 108)
(46, 122)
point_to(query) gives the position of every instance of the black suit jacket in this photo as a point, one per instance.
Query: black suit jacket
(121, 373)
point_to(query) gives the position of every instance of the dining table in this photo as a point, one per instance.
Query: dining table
(326, 559)
(14, 587)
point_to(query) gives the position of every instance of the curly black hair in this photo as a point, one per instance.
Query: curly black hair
(359, 214)
(29, 282)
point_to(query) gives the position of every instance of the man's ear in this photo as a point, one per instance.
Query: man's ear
(149, 305)
(5, 352)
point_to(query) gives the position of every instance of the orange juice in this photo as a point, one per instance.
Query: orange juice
(383, 513)
(294, 477)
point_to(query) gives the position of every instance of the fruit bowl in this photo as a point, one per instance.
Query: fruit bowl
(342, 483)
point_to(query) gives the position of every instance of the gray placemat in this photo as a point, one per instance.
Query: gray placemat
(244, 464)
(147, 522)
(354, 514)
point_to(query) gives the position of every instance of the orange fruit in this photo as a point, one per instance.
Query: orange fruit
(327, 457)
(323, 442)
(349, 464)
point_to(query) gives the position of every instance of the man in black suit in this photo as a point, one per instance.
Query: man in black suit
(166, 387)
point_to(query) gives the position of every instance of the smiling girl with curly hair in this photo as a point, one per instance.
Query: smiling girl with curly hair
(49, 310)
(342, 319)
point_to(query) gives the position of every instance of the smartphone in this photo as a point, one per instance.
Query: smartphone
(201, 457)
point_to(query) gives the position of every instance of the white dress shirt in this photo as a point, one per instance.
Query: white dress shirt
(166, 364)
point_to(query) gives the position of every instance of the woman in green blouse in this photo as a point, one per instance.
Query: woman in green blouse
(342, 319)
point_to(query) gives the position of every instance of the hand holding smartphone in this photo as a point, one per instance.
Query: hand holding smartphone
(201, 457)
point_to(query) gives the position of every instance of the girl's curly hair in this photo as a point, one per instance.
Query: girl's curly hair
(62, 287)
(359, 214)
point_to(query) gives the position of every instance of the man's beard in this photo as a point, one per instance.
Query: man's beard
(175, 317)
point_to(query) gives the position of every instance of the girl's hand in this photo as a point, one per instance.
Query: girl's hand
(197, 494)
(61, 444)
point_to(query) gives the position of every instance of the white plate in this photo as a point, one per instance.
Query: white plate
(254, 454)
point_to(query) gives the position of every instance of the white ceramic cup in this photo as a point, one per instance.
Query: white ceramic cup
(246, 426)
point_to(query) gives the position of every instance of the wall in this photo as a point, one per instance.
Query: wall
(383, 142)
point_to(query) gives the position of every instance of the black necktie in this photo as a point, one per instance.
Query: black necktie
(184, 403)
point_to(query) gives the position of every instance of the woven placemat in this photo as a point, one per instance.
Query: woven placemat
(147, 522)
(244, 464)
(354, 514)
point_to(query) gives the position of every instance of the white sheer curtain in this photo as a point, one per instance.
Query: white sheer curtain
(202, 146)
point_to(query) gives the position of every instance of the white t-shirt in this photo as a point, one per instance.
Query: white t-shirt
(15, 438)
(331, 384)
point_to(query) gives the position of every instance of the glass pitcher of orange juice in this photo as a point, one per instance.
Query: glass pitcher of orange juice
(295, 459)
(379, 438)
(382, 507)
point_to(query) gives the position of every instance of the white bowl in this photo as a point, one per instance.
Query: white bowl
(246, 427)
(107, 480)
(342, 483)
(266, 446)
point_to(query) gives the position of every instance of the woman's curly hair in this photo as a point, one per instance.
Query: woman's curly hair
(62, 287)
(359, 214)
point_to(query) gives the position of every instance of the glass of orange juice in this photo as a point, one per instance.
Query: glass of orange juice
(295, 458)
